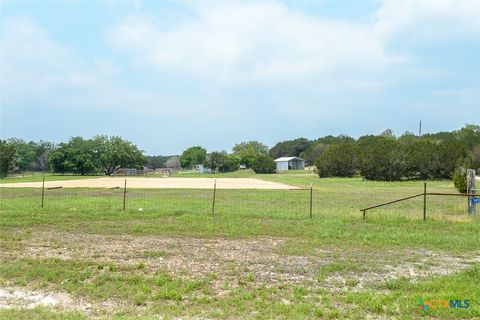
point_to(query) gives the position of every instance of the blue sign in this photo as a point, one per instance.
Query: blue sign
(475, 200)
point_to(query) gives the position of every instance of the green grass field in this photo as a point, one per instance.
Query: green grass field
(259, 256)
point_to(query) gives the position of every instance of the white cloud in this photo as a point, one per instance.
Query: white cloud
(428, 18)
(250, 41)
(245, 41)
(35, 68)
(27, 52)
(31, 59)
(39, 73)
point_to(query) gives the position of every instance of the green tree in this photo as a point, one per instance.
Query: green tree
(381, 158)
(193, 156)
(291, 148)
(317, 147)
(31, 156)
(441, 136)
(231, 163)
(248, 151)
(422, 159)
(387, 133)
(100, 154)
(113, 153)
(264, 164)
(312, 154)
(57, 159)
(469, 135)
(7, 158)
(76, 156)
(340, 139)
(338, 161)
(25, 155)
(42, 149)
(215, 160)
(452, 153)
(475, 158)
(408, 138)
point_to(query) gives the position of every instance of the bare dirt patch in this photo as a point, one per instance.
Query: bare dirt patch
(17, 297)
(229, 264)
(360, 270)
(14, 297)
(156, 183)
(259, 258)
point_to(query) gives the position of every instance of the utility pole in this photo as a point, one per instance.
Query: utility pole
(420, 130)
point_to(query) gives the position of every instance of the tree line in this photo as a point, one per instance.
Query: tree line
(390, 158)
(375, 157)
(101, 154)
(249, 154)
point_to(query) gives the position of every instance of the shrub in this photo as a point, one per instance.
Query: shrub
(264, 164)
(423, 159)
(381, 158)
(338, 161)
(460, 179)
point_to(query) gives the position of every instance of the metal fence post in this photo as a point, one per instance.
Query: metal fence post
(311, 200)
(214, 194)
(424, 201)
(43, 190)
(125, 196)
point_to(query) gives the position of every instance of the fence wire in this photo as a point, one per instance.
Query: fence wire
(247, 203)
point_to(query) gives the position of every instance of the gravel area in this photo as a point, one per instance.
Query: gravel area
(156, 183)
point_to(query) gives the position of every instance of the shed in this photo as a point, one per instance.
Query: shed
(201, 169)
(290, 163)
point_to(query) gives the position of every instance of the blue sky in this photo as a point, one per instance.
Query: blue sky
(171, 74)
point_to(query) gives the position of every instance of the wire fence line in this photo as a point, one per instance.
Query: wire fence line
(246, 202)
(470, 197)
(289, 203)
(119, 173)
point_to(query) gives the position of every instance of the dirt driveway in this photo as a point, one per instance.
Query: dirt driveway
(156, 183)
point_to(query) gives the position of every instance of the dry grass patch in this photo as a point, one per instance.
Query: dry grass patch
(259, 260)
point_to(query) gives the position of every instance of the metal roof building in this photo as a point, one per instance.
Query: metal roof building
(290, 163)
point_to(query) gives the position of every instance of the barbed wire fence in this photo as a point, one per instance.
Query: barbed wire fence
(301, 203)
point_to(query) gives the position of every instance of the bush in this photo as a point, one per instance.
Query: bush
(264, 164)
(338, 161)
(381, 158)
(460, 179)
(423, 159)
(452, 155)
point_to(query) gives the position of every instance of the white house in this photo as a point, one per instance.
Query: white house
(290, 163)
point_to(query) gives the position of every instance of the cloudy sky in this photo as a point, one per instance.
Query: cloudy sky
(171, 74)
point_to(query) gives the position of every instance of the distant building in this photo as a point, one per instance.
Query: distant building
(201, 169)
(290, 163)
